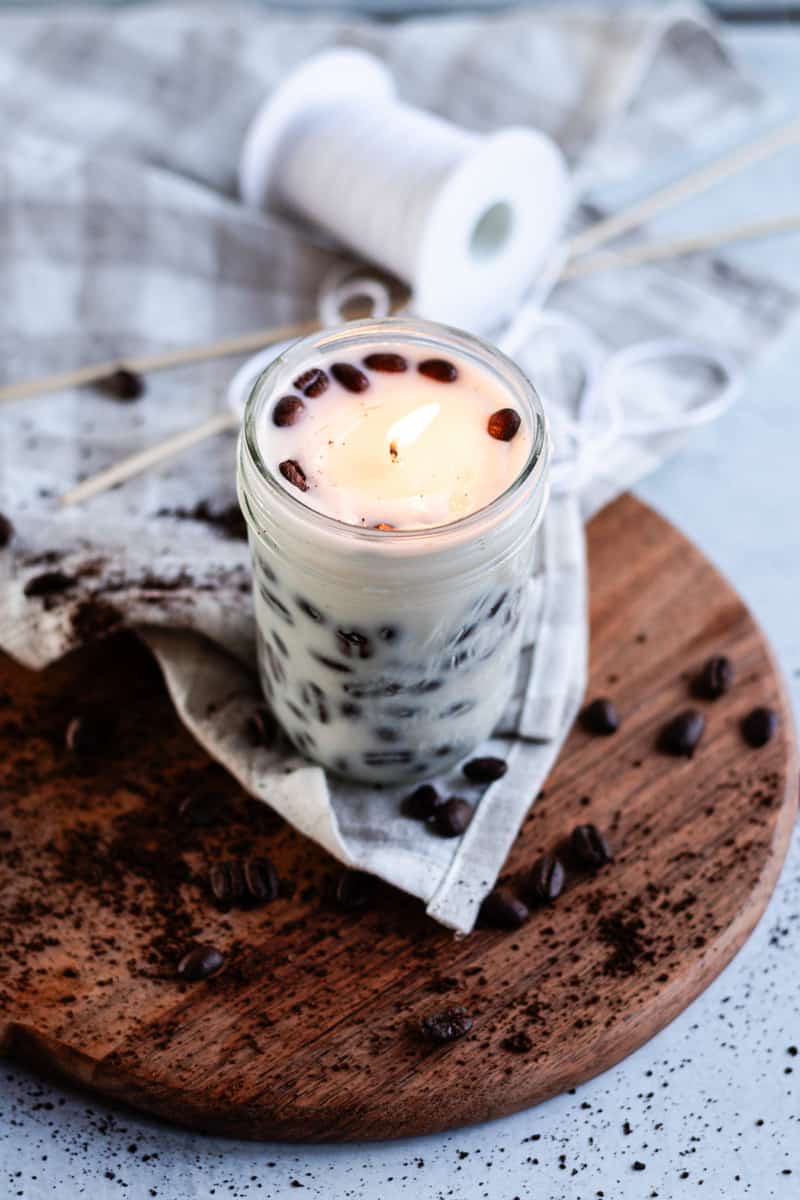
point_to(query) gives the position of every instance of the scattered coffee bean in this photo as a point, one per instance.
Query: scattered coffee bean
(446, 1026)
(681, 735)
(485, 770)
(350, 710)
(203, 808)
(504, 424)
(200, 963)
(422, 803)
(349, 377)
(393, 364)
(227, 882)
(6, 531)
(121, 385)
(312, 383)
(759, 726)
(88, 733)
(439, 369)
(600, 717)
(384, 526)
(262, 728)
(288, 411)
(293, 473)
(452, 817)
(589, 846)
(715, 679)
(546, 880)
(517, 1043)
(503, 910)
(50, 583)
(261, 880)
(354, 890)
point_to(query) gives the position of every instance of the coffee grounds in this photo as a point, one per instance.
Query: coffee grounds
(227, 520)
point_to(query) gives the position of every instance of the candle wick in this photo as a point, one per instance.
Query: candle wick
(393, 451)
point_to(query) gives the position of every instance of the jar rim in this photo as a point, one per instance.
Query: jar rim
(442, 337)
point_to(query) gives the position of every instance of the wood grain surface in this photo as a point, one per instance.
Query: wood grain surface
(311, 1031)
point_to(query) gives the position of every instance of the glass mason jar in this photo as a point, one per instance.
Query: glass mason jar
(388, 656)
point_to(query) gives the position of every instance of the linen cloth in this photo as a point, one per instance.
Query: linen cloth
(121, 234)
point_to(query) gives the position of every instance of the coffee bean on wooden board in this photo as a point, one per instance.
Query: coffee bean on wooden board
(422, 803)
(501, 909)
(517, 1043)
(6, 531)
(546, 879)
(759, 726)
(354, 890)
(350, 377)
(88, 733)
(485, 770)
(252, 881)
(447, 1025)
(504, 424)
(439, 369)
(715, 679)
(681, 735)
(200, 962)
(293, 473)
(312, 383)
(452, 818)
(121, 384)
(589, 846)
(600, 717)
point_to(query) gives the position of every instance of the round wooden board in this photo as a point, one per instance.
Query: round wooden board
(309, 1033)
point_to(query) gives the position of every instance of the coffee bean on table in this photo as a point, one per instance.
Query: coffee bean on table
(392, 364)
(312, 383)
(715, 679)
(485, 770)
(504, 424)
(681, 735)
(6, 531)
(452, 818)
(200, 962)
(447, 1025)
(88, 733)
(293, 473)
(288, 411)
(517, 1043)
(261, 880)
(759, 726)
(503, 910)
(350, 377)
(354, 890)
(600, 717)
(422, 803)
(227, 882)
(439, 369)
(546, 880)
(589, 846)
(122, 385)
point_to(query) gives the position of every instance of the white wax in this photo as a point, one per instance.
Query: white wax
(409, 451)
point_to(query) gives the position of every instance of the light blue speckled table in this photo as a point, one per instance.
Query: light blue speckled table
(714, 1100)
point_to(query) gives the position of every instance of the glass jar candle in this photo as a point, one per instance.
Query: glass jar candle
(392, 474)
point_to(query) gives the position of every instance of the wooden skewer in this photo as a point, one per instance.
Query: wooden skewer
(642, 252)
(135, 464)
(240, 344)
(730, 163)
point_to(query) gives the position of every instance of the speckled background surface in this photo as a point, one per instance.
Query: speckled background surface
(713, 1101)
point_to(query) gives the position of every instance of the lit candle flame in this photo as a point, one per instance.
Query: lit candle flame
(405, 431)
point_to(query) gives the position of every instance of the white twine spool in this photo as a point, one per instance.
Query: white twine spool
(466, 220)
